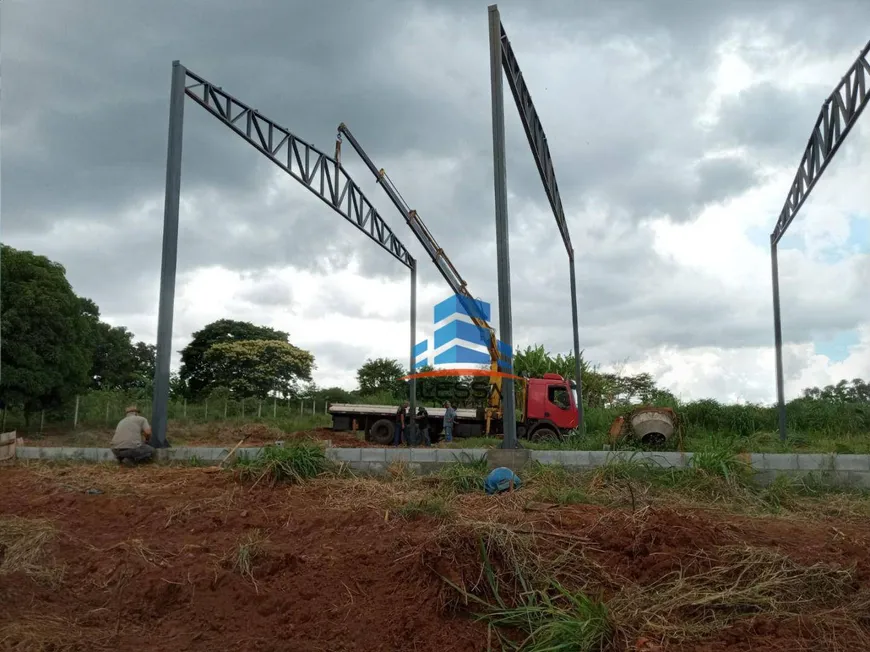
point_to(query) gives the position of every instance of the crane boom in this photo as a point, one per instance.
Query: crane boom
(442, 262)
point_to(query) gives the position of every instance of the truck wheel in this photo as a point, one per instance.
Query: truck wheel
(545, 433)
(382, 431)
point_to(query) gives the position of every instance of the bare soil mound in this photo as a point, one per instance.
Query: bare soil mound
(170, 559)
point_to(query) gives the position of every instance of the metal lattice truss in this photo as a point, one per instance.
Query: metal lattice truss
(535, 134)
(315, 170)
(839, 114)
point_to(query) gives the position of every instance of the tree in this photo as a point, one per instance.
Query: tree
(855, 391)
(258, 368)
(114, 363)
(381, 375)
(195, 372)
(47, 332)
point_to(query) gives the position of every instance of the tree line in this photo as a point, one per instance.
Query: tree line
(56, 346)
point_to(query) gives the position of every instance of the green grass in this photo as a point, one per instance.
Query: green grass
(466, 476)
(291, 463)
(435, 506)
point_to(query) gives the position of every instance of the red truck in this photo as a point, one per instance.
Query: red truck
(548, 405)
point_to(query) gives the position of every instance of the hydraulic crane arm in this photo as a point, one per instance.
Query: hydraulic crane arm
(442, 262)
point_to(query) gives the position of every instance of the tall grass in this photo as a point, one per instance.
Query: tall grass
(293, 463)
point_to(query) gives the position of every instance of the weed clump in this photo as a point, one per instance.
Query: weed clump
(465, 477)
(291, 463)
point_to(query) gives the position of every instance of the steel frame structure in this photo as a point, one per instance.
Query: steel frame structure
(543, 160)
(317, 171)
(839, 113)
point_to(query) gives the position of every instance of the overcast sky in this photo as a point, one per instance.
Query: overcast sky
(675, 127)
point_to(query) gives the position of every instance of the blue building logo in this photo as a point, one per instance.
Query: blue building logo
(456, 341)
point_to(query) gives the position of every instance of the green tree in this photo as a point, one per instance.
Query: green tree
(195, 372)
(114, 364)
(257, 368)
(47, 330)
(381, 375)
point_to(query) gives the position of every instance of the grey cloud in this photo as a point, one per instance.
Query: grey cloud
(84, 127)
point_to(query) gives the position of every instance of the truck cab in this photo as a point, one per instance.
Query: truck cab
(550, 407)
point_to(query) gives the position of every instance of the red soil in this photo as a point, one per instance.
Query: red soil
(331, 576)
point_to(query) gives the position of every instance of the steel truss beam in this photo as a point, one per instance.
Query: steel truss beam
(315, 170)
(838, 115)
(535, 133)
(541, 152)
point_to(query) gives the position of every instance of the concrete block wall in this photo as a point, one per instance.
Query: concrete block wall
(843, 470)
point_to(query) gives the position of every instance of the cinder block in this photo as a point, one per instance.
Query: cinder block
(373, 455)
(599, 458)
(852, 462)
(756, 460)
(576, 459)
(547, 457)
(781, 461)
(373, 468)
(345, 454)
(666, 459)
(859, 479)
(105, 455)
(816, 462)
(451, 455)
(27, 452)
(424, 455)
(397, 454)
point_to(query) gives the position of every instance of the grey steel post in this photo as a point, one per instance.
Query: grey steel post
(578, 368)
(412, 384)
(777, 337)
(505, 324)
(170, 257)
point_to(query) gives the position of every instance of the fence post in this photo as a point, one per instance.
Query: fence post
(184, 413)
(107, 412)
(313, 406)
(76, 414)
(243, 408)
(3, 428)
(41, 421)
(226, 400)
(301, 406)
(260, 409)
(326, 407)
(206, 409)
(275, 408)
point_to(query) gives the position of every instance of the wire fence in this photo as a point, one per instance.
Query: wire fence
(99, 410)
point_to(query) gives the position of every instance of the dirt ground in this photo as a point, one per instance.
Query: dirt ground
(172, 559)
(209, 434)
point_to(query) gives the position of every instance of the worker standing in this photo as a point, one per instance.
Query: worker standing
(449, 420)
(423, 424)
(401, 420)
(131, 436)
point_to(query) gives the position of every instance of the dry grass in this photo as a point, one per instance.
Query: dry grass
(139, 482)
(223, 501)
(22, 548)
(741, 582)
(41, 633)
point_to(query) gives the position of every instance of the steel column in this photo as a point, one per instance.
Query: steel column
(578, 368)
(505, 324)
(777, 336)
(412, 384)
(170, 257)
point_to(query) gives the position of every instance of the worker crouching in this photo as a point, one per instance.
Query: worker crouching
(129, 444)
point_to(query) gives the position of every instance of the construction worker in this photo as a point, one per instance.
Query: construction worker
(423, 424)
(131, 436)
(401, 416)
(449, 420)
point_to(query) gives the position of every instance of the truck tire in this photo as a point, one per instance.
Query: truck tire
(382, 432)
(545, 433)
